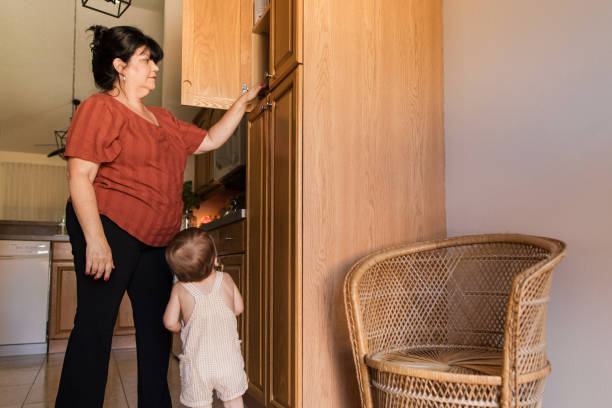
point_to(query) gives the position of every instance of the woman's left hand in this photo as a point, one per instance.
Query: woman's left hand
(251, 94)
(225, 127)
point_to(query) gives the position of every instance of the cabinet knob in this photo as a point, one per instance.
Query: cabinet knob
(269, 75)
(266, 105)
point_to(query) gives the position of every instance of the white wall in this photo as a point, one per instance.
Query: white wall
(171, 98)
(529, 149)
(173, 25)
(36, 42)
(32, 158)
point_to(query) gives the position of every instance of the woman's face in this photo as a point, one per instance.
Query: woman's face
(141, 71)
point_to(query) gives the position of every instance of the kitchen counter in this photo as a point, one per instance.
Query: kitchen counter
(34, 237)
(30, 231)
(225, 220)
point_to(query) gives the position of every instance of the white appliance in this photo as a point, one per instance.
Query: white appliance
(24, 297)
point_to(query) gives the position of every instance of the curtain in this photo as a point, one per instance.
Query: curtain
(32, 192)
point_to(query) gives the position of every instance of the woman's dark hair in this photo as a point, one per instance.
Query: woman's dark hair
(117, 42)
(191, 255)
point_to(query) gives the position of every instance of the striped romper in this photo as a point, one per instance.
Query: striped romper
(211, 357)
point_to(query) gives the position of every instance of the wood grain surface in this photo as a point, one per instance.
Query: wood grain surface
(373, 173)
(212, 65)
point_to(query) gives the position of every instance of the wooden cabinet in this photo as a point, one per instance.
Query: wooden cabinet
(63, 302)
(204, 163)
(284, 273)
(274, 228)
(216, 57)
(233, 265)
(345, 157)
(285, 38)
(203, 171)
(256, 307)
(125, 318)
(220, 53)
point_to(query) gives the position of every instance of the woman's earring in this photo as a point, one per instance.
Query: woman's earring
(124, 77)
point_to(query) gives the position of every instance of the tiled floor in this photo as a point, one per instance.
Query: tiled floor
(31, 381)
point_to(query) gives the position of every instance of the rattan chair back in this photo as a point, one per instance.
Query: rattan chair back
(485, 293)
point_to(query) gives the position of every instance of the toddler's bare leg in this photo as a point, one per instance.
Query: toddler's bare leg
(235, 403)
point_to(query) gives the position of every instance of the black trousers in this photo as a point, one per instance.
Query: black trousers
(142, 271)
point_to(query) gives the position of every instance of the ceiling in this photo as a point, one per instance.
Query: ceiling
(36, 42)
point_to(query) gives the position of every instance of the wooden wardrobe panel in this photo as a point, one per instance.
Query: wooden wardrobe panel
(373, 160)
(285, 262)
(255, 301)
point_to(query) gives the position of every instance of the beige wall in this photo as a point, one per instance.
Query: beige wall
(31, 158)
(36, 70)
(529, 146)
(32, 187)
(171, 98)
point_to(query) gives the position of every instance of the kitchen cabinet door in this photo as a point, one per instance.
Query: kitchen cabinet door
(63, 300)
(203, 172)
(216, 51)
(285, 38)
(285, 258)
(125, 318)
(255, 301)
(233, 265)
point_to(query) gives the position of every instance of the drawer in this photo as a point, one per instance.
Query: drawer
(230, 238)
(61, 251)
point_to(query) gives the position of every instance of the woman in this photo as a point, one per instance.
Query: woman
(125, 174)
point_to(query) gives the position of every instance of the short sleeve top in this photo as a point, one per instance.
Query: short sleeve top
(139, 182)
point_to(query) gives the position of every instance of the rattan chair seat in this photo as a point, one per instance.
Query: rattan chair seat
(441, 359)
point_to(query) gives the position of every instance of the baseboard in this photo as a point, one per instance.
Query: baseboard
(22, 349)
(251, 402)
(119, 342)
(124, 342)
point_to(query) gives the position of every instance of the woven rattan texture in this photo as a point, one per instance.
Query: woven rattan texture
(440, 301)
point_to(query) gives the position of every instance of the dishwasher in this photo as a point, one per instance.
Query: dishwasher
(24, 297)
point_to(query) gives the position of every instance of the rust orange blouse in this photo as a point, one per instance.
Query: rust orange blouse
(140, 180)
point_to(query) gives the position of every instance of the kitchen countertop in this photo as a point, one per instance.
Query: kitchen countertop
(225, 220)
(34, 237)
(30, 231)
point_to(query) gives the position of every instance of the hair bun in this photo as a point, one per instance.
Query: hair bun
(98, 31)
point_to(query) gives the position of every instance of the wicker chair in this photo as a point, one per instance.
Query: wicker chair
(453, 323)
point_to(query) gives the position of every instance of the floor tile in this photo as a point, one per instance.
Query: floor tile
(114, 397)
(13, 395)
(46, 404)
(33, 381)
(47, 380)
(19, 370)
(128, 373)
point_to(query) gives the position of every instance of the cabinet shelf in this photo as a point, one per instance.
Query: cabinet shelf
(262, 26)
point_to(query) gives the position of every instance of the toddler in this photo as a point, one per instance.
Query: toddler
(203, 306)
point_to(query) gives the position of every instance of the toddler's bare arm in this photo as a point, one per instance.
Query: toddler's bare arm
(173, 312)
